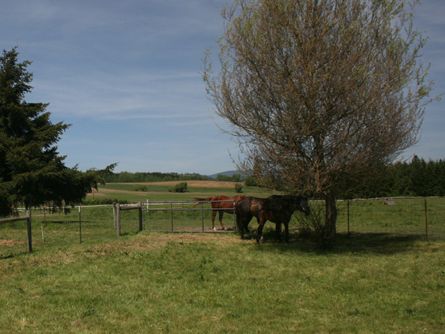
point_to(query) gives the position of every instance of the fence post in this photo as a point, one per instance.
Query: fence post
(235, 225)
(347, 216)
(114, 215)
(140, 217)
(202, 217)
(171, 215)
(426, 218)
(41, 225)
(148, 213)
(80, 224)
(117, 219)
(29, 231)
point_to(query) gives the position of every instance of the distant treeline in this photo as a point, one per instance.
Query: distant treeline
(153, 177)
(232, 178)
(415, 178)
(158, 176)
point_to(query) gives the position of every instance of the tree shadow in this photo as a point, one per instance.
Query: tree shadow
(362, 243)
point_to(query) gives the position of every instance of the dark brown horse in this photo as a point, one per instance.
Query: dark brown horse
(277, 209)
(221, 204)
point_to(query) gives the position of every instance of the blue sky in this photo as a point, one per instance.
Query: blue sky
(127, 76)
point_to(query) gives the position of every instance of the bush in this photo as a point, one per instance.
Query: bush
(141, 188)
(313, 224)
(250, 181)
(179, 188)
(238, 187)
(103, 201)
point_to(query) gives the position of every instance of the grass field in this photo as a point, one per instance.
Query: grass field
(384, 278)
(207, 283)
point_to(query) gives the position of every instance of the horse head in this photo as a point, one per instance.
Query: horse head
(303, 205)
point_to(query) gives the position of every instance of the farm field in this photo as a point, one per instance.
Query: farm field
(157, 282)
(384, 277)
(160, 190)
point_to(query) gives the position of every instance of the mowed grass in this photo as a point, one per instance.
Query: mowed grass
(213, 283)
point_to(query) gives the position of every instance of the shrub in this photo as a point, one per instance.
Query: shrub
(179, 188)
(250, 181)
(103, 201)
(238, 187)
(313, 224)
(141, 188)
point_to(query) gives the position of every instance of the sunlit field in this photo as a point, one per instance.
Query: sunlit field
(384, 276)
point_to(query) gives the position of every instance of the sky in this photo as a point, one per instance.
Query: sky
(127, 76)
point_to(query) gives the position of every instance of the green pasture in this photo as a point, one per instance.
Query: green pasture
(95, 224)
(382, 277)
(403, 216)
(216, 283)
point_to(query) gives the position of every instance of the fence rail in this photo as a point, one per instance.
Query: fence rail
(424, 217)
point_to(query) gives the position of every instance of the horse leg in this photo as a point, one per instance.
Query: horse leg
(259, 232)
(240, 225)
(278, 230)
(220, 216)
(286, 231)
(213, 219)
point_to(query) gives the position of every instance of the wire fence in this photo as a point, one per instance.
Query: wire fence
(53, 227)
(404, 216)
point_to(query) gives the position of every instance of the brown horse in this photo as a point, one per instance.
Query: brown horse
(221, 204)
(277, 209)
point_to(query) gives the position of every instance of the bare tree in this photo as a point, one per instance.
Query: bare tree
(318, 89)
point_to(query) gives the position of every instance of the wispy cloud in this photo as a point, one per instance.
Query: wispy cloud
(133, 68)
(116, 96)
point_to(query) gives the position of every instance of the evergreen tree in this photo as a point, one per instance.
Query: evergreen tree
(31, 169)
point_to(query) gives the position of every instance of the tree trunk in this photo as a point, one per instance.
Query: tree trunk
(331, 216)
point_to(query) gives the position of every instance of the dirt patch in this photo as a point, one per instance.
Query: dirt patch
(10, 243)
(158, 240)
(104, 191)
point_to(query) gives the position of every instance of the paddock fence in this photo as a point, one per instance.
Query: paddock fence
(62, 227)
(424, 217)
(13, 220)
(53, 227)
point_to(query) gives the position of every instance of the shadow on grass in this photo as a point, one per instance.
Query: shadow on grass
(6, 256)
(63, 222)
(10, 255)
(378, 243)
